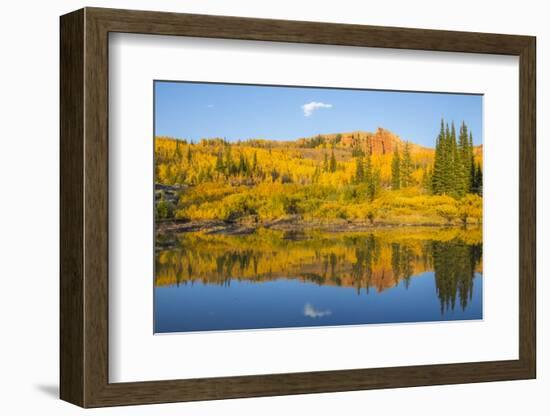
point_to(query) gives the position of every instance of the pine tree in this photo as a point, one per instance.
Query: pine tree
(243, 165)
(448, 158)
(189, 155)
(316, 175)
(356, 151)
(463, 163)
(396, 170)
(325, 163)
(370, 177)
(254, 162)
(473, 173)
(373, 185)
(332, 166)
(427, 180)
(479, 180)
(368, 168)
(359, 170)
(477, 186)
(406, 167)
(178, 151)
(219, 163)
(228, 161)
(438, 169)
(454, 172)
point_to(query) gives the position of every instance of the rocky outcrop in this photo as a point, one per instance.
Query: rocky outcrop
(169, 193)
(378, 143)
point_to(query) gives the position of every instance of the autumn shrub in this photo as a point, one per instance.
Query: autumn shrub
(236, 206)
(164, 209)
(233, 182)
(447, 211)
(470, 207)
(332, 210)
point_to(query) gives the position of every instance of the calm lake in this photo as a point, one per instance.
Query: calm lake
(278, 279)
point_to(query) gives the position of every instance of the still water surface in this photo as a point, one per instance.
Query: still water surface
(278, 279)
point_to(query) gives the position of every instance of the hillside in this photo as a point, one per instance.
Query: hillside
(355, 176)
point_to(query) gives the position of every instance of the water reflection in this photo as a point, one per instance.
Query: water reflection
(312, 312)
(377, 261)
(273, 279)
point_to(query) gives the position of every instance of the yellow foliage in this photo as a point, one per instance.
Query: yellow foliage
(268, 180)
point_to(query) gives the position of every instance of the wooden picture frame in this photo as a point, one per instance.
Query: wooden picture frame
(84, 207)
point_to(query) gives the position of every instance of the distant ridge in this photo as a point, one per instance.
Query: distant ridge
(380, 142)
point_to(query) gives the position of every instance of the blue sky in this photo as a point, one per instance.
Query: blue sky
(196, 110)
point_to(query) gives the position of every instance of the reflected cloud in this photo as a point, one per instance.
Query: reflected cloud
(310, 311)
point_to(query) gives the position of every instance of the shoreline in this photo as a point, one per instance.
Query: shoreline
(291, 224)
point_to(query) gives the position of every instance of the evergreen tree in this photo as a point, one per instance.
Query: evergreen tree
(477, 186)
(219, 163)
(189, 155)
(454, 172)
(438, 169)
(448, 161)
(325, 163)
(332, 166)
(228, 161)
(462, 166)
(427, 179)
(454, 148)
(369, 177)
(356, 151)
(178, 150)
(396, 170)
(243, 165)
(254, 162)
(406, 167)
(448, 171)
(373, 185)
(359, 170)
(472, 164)
(368, 168)
(316, 175)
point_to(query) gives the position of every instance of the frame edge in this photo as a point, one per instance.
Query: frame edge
(528, 208)
(72, 298)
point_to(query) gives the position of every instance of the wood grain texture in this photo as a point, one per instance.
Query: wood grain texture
(96, 208)
(71, 213)
(527, 207)
(84, 207)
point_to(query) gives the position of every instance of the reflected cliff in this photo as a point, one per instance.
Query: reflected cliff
(377, 261)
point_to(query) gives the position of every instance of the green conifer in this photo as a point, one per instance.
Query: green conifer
(406, 167)
(333, 165)
(359, 170)
(396, 170)
(438, 169)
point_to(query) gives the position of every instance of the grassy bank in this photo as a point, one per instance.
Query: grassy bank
(324, 205)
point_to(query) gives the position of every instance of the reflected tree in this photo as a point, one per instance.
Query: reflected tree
(360, 261)
(454, 264)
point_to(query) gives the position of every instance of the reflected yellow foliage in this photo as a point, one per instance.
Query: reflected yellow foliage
(377, 260)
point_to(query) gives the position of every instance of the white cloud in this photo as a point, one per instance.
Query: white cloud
(309, 108)
(310, 311)
(210, 106)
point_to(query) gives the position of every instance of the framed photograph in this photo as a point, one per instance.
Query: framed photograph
(255, 207)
